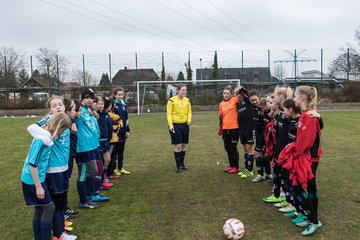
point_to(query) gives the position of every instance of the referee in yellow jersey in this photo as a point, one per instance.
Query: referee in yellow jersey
(179, 118)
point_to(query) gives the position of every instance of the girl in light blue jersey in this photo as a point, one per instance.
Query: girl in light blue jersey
(33, 176)
(57, 178)
(87, 143)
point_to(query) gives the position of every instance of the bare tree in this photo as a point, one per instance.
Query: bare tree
(48, 60)
(11, 61)
(279, 72)
(78, 76)
(348, 61)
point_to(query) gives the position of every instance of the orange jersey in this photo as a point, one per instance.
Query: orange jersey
(229, 113)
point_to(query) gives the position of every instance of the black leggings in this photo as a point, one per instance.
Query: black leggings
(44, 213)
(312, 188)
(117, 153)
(231, 138)
(59, 200)
(309, 200)
(277, 169)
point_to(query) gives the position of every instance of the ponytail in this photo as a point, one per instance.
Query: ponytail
(311, 96)
(286, 92)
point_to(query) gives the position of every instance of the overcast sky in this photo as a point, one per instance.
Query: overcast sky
(148, 27)
(86, 26)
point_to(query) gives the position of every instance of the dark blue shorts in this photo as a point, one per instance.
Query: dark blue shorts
(57, 182)
(181, 135)
(104, 146)
(29, 192)
(98, 154)
(247, 136)
(85, 157)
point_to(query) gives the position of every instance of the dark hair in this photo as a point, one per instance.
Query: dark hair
(107, 102)
(229, 88)
(77, 105)
(116, 90)
(87, 93)
(112, 104)
(290, 103)
(253, 93)
(67, 104)
(179, 86)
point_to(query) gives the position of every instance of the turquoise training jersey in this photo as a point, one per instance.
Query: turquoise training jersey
(60, 151)
(88, 132)
(38, 156)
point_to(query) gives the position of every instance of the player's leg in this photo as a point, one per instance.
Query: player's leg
(185, 130)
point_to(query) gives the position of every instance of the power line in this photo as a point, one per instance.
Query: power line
(193, 21)
(248, 30)
(147, 24)
(100, 21)
(212, 20)
(115, 20)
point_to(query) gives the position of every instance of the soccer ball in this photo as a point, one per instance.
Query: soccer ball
(234, 229)
(148, 110)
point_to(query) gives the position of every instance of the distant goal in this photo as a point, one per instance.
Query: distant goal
(200, 92)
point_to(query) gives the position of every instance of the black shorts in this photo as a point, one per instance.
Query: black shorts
(247, 136)
(181, 134)
(230, 135)
(260, 141)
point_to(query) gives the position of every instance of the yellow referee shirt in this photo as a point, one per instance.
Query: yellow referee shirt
(178, 110)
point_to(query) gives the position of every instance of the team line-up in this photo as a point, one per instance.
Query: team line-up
(286, 132)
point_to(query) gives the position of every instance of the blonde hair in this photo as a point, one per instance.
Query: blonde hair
(53, 97)
(286, 92)
(262, 102)
(57, 123)
(311, 96)
(100, 99)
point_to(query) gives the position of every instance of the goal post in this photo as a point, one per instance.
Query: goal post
(196, 85)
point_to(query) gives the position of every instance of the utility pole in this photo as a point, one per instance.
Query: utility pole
(295, 60)
(57, 74)
(83, 58)
(32, 79)
(269, 76)
(48, 74)
(295, 63)
(201, 72)
(110, 80)
(321, 70)
(348, 64)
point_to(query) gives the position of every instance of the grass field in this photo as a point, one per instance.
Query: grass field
(154, 202)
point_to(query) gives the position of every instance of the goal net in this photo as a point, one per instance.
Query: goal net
(152, 96)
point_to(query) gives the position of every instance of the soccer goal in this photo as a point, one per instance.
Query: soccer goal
(154, 94)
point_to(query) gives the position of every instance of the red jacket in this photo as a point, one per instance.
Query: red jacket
(308, 137)
(299, 167)
(269, 138)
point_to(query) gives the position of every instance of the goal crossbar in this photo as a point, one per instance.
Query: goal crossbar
(177, 82)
